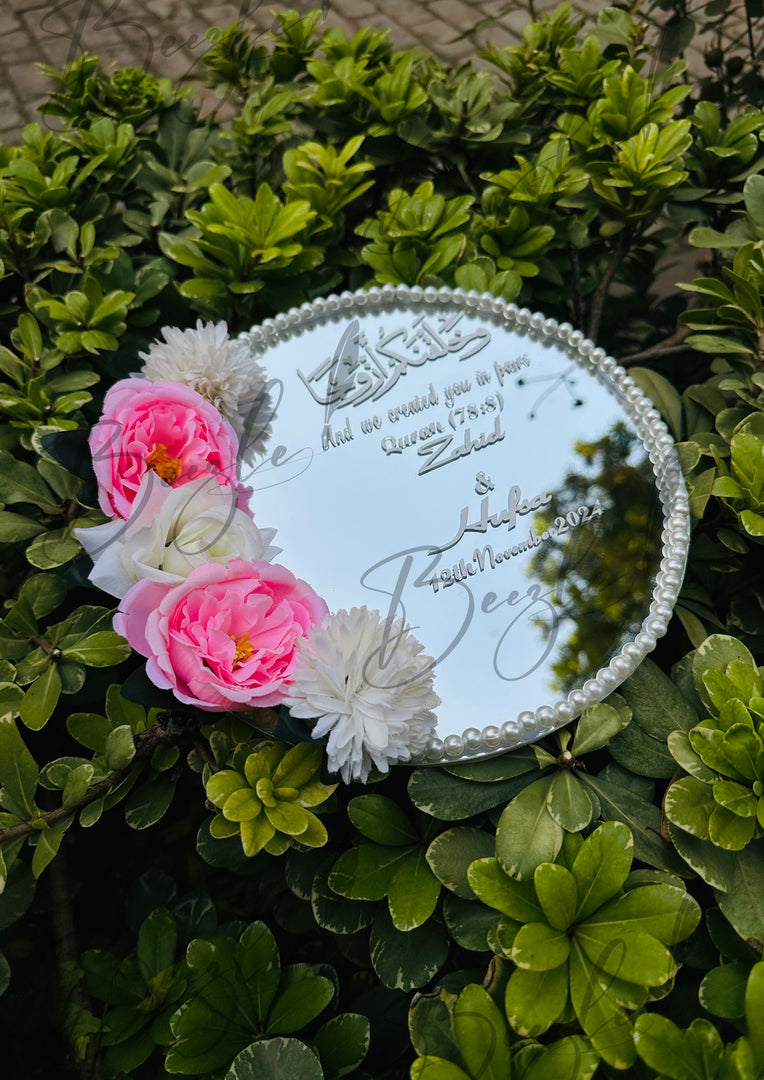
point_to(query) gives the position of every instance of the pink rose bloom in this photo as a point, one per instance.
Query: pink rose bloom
(166, 427)
(225, 638)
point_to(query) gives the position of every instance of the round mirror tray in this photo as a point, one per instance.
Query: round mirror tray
(487, 475)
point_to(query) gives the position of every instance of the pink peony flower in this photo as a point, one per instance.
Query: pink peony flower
(166, 427)
(225, 638)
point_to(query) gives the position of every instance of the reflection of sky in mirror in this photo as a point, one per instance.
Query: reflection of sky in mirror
(359, 523)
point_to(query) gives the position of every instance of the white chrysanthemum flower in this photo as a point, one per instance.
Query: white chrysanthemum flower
(223, 371)
(368, 683)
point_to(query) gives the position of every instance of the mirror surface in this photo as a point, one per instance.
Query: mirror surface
(480, 479)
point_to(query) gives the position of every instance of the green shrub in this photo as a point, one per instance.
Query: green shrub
(535, 915)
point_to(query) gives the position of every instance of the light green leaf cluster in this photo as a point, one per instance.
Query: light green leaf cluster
(722, 798)
(265, 795)
(587, 939)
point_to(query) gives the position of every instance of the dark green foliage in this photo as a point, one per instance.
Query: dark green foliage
(542, 902)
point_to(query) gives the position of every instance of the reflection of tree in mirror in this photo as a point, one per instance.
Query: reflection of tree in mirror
(601, 553)
(554, 381)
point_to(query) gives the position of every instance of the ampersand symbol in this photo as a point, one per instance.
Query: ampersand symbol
(483, 483)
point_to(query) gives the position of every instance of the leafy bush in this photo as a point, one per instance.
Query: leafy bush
(535, 915)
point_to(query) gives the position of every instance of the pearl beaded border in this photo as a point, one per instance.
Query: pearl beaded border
(475, 744)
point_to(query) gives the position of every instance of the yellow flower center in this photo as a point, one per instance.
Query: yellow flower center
(244, 649)
(164, 466)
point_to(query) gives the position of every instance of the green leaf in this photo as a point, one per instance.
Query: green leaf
(568, 802)
(430, 1067)
(482, 1035)
(365, 872)
(729, 831)
(535, 1000)
(539, 947)
(571, 1058)
(468, 922)
(413, 892)
(602, 866)
(754, 1012)
(299, 1003)
(5, 974)
(17, 895)
(623, 804)
(597, 726)
(381, 820)
(89, 729)
(157, 942)
(231, 987)
(342, 1043)
(556, 891)
(15, 527)
(626, 953)
(604, 1021)
(41, 698)
(666, 912)
(298, 766)
(18, 769)
(743, 882)
(666, 399)
(656, 702)
(76, 786)
(685, 756)
(105, 649)
(505, 767)
(333, 912)
(19, 482)
(527, 835)
(54, 548)
(722, 991)
(714, 654)
(514, 898)
(120, 748)
(42, 593)
(689, 804)
(273, 1059)
(450, 798)
(642, 754)
(406, 960)
(451, 853)
(661, 1045)
(431, 1025)
(148, 803)
(48, 843)
(735, 797)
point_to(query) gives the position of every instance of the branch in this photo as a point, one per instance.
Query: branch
(600, 294)
(68, 955)
(671, 345)
(145, 744)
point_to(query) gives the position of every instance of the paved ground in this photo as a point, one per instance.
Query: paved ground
(167, 37)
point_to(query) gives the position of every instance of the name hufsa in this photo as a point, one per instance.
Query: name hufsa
(516, 506)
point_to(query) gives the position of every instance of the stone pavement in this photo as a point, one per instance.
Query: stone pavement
(167, 37)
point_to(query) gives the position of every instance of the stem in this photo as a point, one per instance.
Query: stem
(44, 644)
(578, 307)
(145, 743)
(671, 345)
(600, 295)
(68, 954)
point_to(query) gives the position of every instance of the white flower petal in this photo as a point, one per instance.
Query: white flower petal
(223, 371)
(373, 715)
(170, 531)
